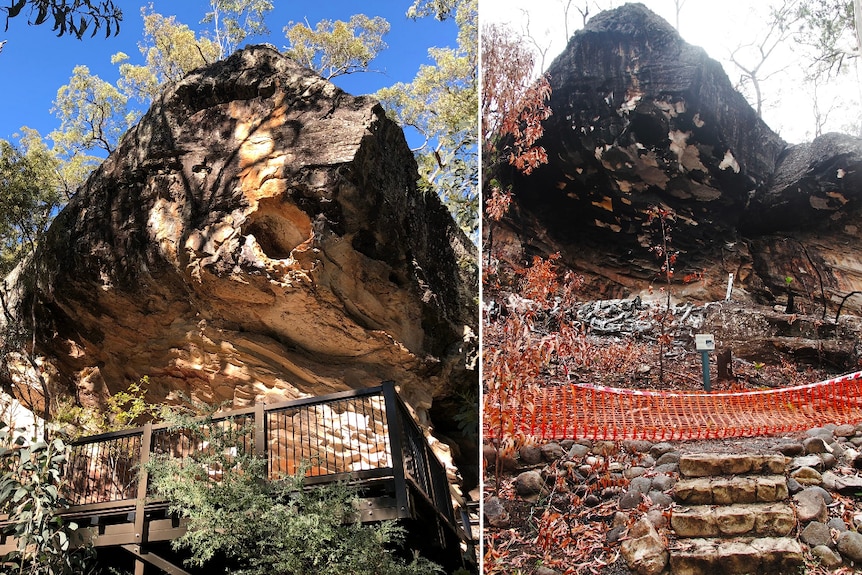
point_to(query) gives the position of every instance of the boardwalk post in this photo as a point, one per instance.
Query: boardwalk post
(259, 429)
(141, 498)
(393, 421)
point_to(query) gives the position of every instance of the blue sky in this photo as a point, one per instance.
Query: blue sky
(34, 63)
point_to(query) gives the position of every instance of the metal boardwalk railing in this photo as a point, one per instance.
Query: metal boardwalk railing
(367, 437)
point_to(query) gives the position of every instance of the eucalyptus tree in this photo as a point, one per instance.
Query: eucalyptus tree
(441, 104)
(30, 193)
(170, 50)
(235, 20)
(72, 17)
(336, 48)
(91, 113)
(833, 28)
(825, 39)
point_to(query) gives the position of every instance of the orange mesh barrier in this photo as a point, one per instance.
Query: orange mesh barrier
(576, 411)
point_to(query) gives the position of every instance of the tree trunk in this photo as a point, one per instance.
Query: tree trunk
(857, 14)
(724, 361)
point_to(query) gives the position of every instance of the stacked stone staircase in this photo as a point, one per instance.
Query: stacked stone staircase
(732, 515)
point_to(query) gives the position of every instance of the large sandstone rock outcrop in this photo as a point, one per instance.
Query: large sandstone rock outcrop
(258, 236)
(640, 119)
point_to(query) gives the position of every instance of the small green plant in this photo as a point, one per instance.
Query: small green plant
(125, 409)
(74, 421)
(129, 408)
(467, 416)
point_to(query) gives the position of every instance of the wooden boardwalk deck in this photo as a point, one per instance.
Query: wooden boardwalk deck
(366, 437)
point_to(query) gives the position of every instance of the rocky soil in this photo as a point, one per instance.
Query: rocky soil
(570, 506)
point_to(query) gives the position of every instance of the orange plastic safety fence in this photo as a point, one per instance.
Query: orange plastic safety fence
(574, 411)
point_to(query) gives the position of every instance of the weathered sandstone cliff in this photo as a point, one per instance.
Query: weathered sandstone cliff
(641, 119)
(258, 236)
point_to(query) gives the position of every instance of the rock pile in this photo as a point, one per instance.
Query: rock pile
(634, 316)
(751, 333)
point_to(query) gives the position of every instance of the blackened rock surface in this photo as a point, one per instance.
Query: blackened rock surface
(815, 182)
(642, 119)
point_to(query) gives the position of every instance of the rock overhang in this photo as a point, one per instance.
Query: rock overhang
(259, 235)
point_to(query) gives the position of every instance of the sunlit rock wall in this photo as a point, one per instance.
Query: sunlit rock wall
(258, 236)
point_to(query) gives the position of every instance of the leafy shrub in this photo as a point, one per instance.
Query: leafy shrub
(263, 527)
(124, 410)
(30, 493)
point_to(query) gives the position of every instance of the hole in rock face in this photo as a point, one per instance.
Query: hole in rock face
(649, 131)
(278, 227)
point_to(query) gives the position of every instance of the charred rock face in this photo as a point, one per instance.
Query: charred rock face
(258, 236)
(640, 119)
(817, 184)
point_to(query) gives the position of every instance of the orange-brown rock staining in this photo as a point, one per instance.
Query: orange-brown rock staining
(258, 236)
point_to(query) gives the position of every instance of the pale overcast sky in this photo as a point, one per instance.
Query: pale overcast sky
(718, 27)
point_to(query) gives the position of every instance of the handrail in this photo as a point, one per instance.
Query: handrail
(427, 472)
(222, 415)
(359, 433)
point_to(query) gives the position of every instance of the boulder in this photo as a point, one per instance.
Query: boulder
(640, 119)
(810, 461)
(496, 514)
(810, 506)
(846, 430)
(644, 551)
(640, 485)
(259, 236)
(848, 484)
(807, 476)
(850, 545)
(814, 445)
(530, 455)
(811, 183)
(552, 451)
(530, 485)
(630, 500)
(827, 556)
(816, 533)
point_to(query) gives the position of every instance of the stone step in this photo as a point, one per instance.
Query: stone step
(757, 519)
(730, 490)
(708, 464)
(766, 555)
